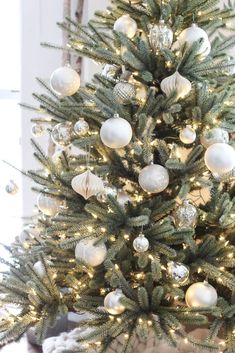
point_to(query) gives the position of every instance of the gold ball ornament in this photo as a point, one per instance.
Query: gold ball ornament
(201, 295)
(112, 302)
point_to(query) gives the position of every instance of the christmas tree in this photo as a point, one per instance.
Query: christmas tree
(136, 230)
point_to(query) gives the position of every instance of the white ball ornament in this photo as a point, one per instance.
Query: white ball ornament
(215, 135)
(201, 295)
(141, 243)
(188, 135)
(65, 81)
(220, 158)
(48, 205)
(93, 255)
(154, 178)
(176, 83)
(116, 132)
(126, 25)
(112, 302)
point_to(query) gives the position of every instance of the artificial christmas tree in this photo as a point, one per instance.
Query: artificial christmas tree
(119, 234)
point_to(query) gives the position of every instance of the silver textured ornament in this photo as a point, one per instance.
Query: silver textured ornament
(201, 295)
(141, 243)
(177, 272)
(160, 36)
(61, 134)
(108, 190)
(186, 215)
(124, 92)
(12, 188)
(81, 127)
(38, 130)
(87, 184)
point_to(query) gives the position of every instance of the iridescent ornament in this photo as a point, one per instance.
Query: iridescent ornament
(160, 36)
(154, 178)
(201, 295)
(215, 135)
(186, 215)
(108, 190)
(81, 127)
(178, 273)
(126, 25)
(141, 243)
(12, 188)
(124, 92)
(61, 134)
(112, 302)
(188, 135)
(38, 130)
(65, 81)
(176, 83)
(87, 184)
(93, 255)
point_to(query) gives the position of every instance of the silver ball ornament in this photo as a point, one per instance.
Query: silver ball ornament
(65, 81)
(178, 273)
(48, 205)
(112, 302)
(220, 158)
(81, 127)
(124, 92)
(61, 134)
(186, 215)
(215, 135)
(141, 243)
(12, 188)
(126, 25)
(187, 135)
(160, 36)
(154, 178)
(93, 255)
(201, 295)
(38, 130)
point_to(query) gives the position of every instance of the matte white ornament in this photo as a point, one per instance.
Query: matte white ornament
(65, 81)
(116, 132)
(215, 135)
(176, 83)
(112, 302)
(48, 205)
(191, 35)
(93, 255)
(177, 272)
(141, 243)
(202, 295)
(87, 184)
(220, 158)
(126, 25)
(188, 135)
(154, 178)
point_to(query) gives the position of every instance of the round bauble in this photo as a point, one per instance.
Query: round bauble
(220, 158)
(141, 243)
(61, 134)
(160, 36)
(116, 132)
(126, 25)
(109, 71)
(188, 135)
(48, 205)
(109, 190)
(124, 92)
(176, 83)
(186, 215)
(112, 302)
(87, 184)
(65, 81)
(178, 273)
(154, 178)
(215, 135)
(191, 35)
(81, 127)
(201, 295)
(38, 130)
(11, 187)
(89, 253)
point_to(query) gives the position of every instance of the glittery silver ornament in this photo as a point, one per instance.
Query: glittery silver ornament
(124, 92)
(38, 130)
(61, 134)
(186, 215)
(160, 36)
(81, 127)
(177, 272)
(12, 188)
(108, 190)
(109, 71)
(141, 243)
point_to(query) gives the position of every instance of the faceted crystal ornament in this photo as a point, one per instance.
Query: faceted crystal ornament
(177, 272)
(160, 36)
(141, 243)
(87, 184)
(186, 215)
(61, 134)
(124, 92)
(112, 302)
(12, 188)
(108, 190)
(81, 127)
(38, 130)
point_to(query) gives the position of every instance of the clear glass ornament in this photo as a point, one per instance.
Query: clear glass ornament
(108, 190)
(12, 188)
(141, 243)
(160, 36)
(38, 130)
(186, 215)
(81, 127)
(177, 272)
(62, 133)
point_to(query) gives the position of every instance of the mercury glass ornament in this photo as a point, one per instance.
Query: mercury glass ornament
(108, 190)
(177, 272)
(154, 178)
(81, 127)
(12, 188)
(160, 36)
(141, 243)
(186, 215)
(38, 130)
(124, 92)
(61, 134)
